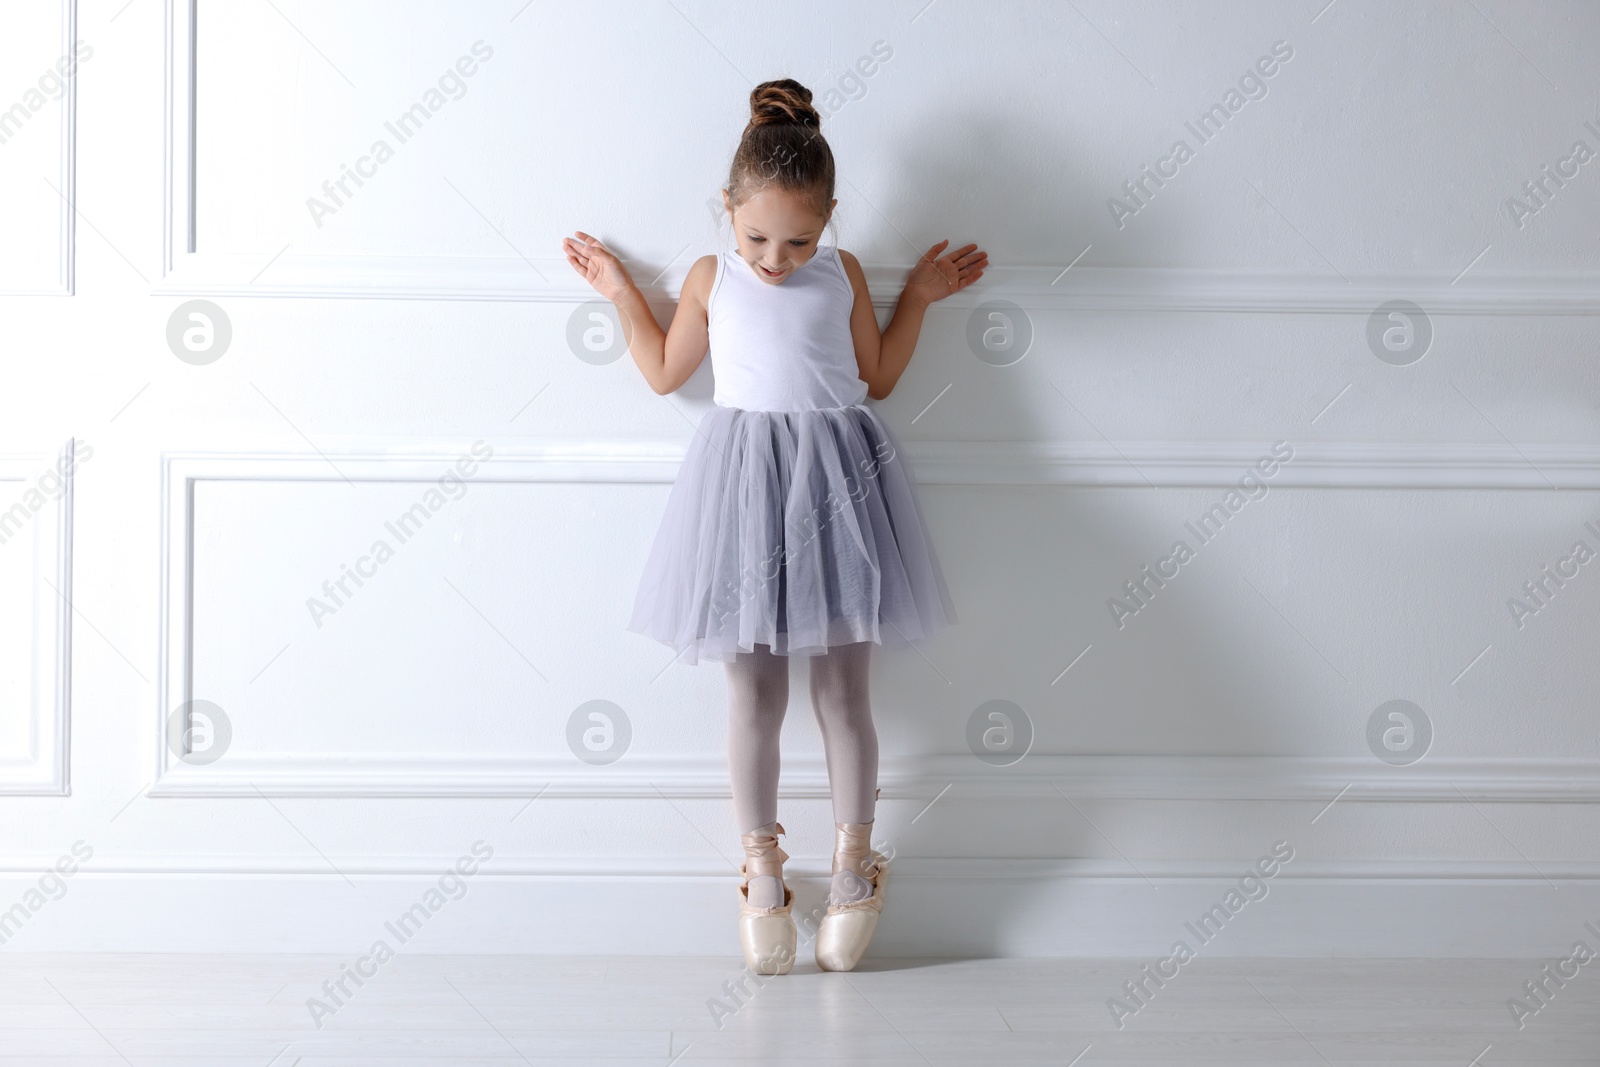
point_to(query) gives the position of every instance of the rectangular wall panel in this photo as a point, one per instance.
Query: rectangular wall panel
(397, 164)
(379, 625)
(40, 56)
(35, 590)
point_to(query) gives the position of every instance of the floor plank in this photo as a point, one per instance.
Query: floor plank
(428, 1011)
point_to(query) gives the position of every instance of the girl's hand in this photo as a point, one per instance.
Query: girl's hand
(599, 267)
(936, 278)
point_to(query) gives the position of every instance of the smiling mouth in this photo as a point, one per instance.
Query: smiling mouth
(771, 274)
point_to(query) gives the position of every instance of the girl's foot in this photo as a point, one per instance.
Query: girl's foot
(855, 900)
(766, 927)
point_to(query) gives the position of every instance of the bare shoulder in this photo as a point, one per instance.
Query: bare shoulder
(853, 271)
(697, 283)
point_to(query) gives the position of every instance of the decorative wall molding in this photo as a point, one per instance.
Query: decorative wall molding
(67, 175)
(705, 867)
(1220, 464)
(954, 778)
(1080, 463)
(178, 116)
(1034, 288)
(44, 770)
(1108, 777)
(69, 157)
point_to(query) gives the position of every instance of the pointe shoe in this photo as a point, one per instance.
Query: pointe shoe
(855, 901)
(766, 926)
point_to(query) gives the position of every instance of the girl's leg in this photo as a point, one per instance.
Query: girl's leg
(758, 696)
(841, 698)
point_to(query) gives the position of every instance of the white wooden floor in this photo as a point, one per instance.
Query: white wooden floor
(422, 1011)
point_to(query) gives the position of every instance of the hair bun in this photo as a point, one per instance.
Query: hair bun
(784, 102)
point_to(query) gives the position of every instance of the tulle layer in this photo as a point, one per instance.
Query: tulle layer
(799, 530)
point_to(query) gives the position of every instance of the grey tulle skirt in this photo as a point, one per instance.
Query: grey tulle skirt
(799, 530)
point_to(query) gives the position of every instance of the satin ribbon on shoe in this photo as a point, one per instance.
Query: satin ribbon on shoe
(763, 868)
(854, 863)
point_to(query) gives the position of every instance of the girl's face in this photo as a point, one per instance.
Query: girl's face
(777, 232)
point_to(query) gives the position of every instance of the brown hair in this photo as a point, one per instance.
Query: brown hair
(782, 146)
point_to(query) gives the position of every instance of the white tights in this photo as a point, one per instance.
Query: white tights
(758, 696)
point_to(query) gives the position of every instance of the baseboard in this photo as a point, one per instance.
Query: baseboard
(1312, 779)
(1011, 907)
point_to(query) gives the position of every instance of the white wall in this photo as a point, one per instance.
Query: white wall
(373, 346)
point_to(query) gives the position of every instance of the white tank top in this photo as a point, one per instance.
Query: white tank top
(784, 347)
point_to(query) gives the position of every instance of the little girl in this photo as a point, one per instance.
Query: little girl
(794, 526)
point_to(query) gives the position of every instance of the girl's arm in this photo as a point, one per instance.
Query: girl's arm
(883, 357)
(669, 358)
